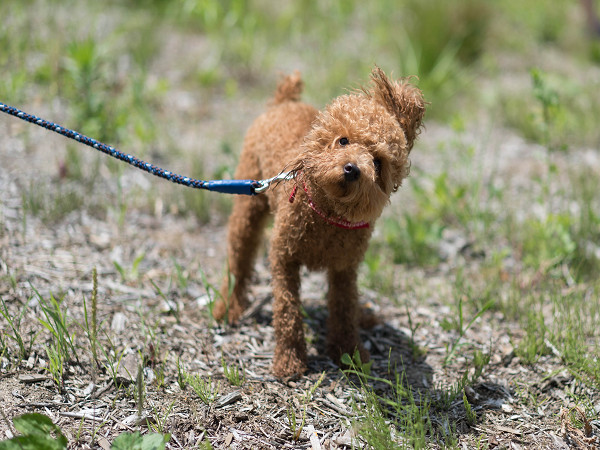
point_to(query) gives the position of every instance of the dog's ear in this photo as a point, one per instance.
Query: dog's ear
(402, 100)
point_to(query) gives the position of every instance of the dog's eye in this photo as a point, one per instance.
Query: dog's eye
(344, 141)
(377, 164)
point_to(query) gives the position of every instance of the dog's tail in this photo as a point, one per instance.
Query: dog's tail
(289, 89)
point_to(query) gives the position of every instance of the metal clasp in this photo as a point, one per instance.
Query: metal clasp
(265, 184)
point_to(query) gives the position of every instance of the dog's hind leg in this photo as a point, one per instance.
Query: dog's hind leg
(246, 224)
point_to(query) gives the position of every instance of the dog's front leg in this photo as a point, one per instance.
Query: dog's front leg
(290, 347)
(342, 323)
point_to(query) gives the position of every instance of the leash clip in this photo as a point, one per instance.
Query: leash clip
(263, 185)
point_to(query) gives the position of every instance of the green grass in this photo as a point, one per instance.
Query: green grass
(16, 334)
(235, 375)
(207, 390)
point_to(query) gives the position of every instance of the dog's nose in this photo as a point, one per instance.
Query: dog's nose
(351, 172)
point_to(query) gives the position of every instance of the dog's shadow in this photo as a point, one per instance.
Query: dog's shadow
(398, 364)
(391, 349)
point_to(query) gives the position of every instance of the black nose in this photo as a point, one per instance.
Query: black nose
(351, 172)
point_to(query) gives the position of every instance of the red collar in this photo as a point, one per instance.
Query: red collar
(335, 221)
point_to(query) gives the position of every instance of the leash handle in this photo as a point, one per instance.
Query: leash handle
(240, 187)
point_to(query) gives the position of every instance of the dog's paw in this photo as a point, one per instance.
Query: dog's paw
(227, 312)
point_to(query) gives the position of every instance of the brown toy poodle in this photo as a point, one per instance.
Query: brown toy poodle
(346, 161)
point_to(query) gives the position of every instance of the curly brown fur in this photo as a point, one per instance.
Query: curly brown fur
(348, 159)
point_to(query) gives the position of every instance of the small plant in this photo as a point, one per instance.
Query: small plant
(295, 427)
(181, 376)
(459, 324)
(413, 240)
(447, 395)
(356, 365)
(548, 100)
(310, 392)
(112, 360)
(56, 365)
(548, 242)
(173, 305)
(56, 322)
(133, 274)
(416, 351)
(182, 276)
(15, 325)
(379, 273)
(214, 293)
(50, 207)
(139, 391)
(208, 391)
(91, 322)
(533, 345)
(160, 420)
(374, 412)
(136, 441)
(37, 432)
(470, 414)
(235, 376)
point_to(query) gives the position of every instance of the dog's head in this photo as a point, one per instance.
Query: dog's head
(356, 153)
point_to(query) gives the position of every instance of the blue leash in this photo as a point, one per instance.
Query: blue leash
(241, 187)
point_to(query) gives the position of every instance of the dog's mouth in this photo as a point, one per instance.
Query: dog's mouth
(359, 192)
(340, 222)
(354, 188)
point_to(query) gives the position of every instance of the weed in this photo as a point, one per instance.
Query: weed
(355, 363)
(445, 396)
(173, 305)
(205, 445)
(160, 371)
(56, 365)
(56, 322)
(112, 360)
(470, 414)
(132, 274)
(235, 376)
(547, 98)
(214, 293)
(533, 345)
(139, 391)
(91, 323)
(295, 427)
(51, 207)
(416, 351)
(202, 204)
(37, 431)
(183, 276)
(181, 375)
(413, 240)
(151, 355)
(135, 440)
(207, 391)
(15, 324)
(459, 323)
(310, 392)
(410, 413)
(379, 274)
(574, 332)
(160, 425)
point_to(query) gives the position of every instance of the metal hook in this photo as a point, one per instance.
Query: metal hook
(265, 184)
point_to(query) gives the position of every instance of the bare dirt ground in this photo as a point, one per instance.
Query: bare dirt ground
(150, 315)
